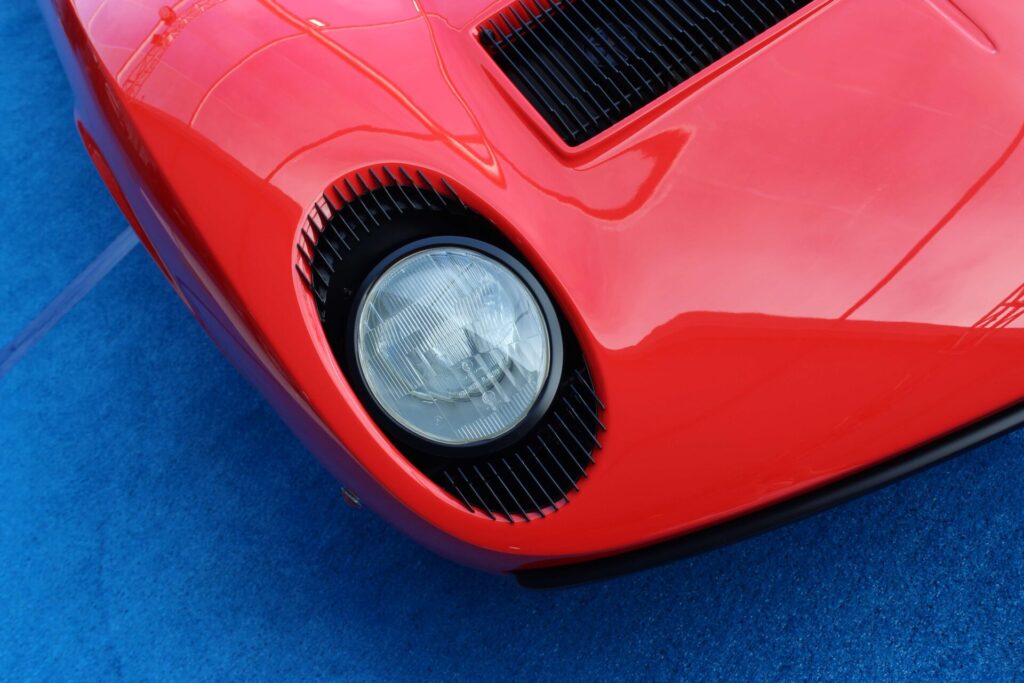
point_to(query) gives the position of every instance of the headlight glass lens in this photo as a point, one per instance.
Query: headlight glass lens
(452, 345)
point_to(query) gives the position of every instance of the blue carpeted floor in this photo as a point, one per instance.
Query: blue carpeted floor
(158, 522)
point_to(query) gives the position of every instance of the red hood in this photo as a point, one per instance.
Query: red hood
(804, 260)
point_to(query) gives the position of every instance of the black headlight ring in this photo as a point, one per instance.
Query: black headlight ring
(541, 405)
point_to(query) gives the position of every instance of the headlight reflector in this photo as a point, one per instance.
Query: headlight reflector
(452, 345)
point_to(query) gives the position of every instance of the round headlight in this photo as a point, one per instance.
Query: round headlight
(453, 345)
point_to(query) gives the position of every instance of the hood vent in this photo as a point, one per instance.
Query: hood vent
(588, 64)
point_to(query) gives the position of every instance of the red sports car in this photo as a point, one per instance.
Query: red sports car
(565, 288)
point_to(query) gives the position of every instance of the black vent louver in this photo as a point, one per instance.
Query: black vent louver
(536, 476)
(588, 64)
(349, 230)
(371, 200)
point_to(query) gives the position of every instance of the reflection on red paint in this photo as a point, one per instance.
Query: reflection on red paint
(804, 261)
(122, 202)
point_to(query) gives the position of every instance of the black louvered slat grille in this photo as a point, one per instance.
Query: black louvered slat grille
(372, 199)
(359, 219)
(535, 478)
(587, 64)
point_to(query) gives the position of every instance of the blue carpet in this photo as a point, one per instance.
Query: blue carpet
(160, 523)
(55, 214)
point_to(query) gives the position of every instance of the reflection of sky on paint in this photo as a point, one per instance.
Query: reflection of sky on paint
(944, 273)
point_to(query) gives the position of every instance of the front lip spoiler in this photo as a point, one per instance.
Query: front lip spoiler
(791, 510)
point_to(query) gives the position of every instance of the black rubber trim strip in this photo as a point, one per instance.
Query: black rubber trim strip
(794, 509)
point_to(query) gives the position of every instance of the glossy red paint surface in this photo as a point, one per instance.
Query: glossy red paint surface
(801, 262)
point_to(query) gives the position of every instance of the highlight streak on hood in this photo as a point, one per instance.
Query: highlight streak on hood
(488, 166)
